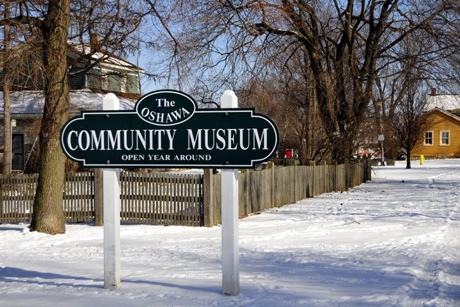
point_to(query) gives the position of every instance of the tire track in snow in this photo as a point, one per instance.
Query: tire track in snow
(448, 273)
(432, 284)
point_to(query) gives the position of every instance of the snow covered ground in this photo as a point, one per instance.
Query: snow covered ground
(393, 241)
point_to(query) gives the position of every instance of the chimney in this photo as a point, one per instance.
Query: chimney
(433, 91)
(95, 42)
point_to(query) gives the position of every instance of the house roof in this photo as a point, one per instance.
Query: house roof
(76, 49)
(32, 102)
(443, 102)
(105, 58)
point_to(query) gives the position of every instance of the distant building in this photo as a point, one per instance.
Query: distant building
(111, 74)
(441, 135)
(108, 74)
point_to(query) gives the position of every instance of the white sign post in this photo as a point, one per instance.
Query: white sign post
(102, 139)
(111, 199)
(229, 203)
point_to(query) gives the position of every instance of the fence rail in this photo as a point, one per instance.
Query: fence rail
(181, 199)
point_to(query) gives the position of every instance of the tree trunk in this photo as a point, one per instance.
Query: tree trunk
(7, 154)
(408, 165)
(48, 215)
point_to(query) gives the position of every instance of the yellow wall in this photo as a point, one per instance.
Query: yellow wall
(437, 121)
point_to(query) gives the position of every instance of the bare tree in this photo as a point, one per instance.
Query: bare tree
(223, 41)
(15, 72)
(49, 22)
(267, 98)
(403, 94)
(48, 215)
(424, 59)
(409, 120)
(104, 29)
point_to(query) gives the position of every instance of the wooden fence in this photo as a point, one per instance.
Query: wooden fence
(150, 198)
(279, 186)
(162, 198)
(181, 199)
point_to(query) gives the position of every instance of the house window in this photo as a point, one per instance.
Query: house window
(428, 139)
(445, 138)
(18, 152)
(114, 81)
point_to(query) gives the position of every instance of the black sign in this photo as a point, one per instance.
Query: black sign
(167, 130)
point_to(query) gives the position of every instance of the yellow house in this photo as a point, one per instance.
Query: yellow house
(441, 135)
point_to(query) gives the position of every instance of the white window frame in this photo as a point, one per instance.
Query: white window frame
(441, 138)
(425, 138)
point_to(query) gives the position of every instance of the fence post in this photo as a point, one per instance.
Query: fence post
(347, 174)
(247, 195)
(1, 199)
(360, 173)
(313, 181)
(294, 181)
(365, 170)
(336, 176)
(368, 170)
(325, 190)
(98, 199)
(208, 208)
(244, 192)
(271, 167)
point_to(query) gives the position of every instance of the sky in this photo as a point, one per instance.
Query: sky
(392, 241)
